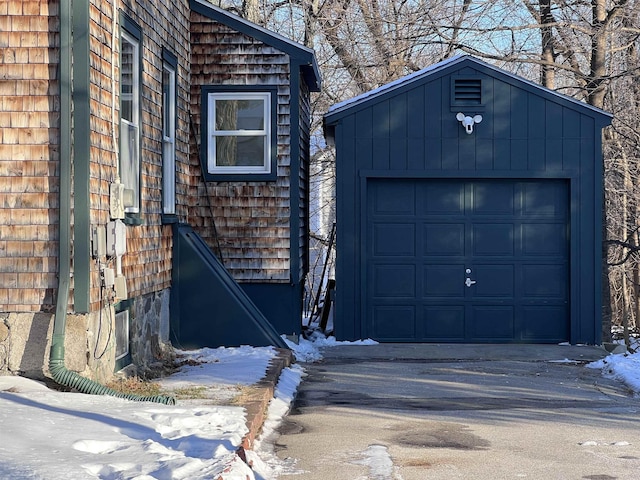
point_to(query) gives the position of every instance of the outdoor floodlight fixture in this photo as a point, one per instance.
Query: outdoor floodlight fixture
(467, 121)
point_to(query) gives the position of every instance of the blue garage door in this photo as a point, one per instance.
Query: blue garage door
(466, 261)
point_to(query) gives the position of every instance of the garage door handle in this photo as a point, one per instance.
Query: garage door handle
(468, 282)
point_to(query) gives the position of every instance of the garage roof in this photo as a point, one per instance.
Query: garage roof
(341, 109)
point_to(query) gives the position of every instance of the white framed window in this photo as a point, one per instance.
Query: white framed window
(130, 119)
(122, 334)
(239, 136)
(168, 138)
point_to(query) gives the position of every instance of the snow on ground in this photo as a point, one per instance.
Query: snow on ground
(622, 367)
(52, 435)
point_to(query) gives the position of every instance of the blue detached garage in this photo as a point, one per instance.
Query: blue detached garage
(469, 208)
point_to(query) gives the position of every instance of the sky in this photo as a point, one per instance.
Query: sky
(51, 435)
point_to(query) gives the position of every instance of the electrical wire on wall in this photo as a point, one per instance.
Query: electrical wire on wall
(105, 304)
(206, 189)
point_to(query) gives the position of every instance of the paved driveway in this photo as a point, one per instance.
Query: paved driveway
(405, 412)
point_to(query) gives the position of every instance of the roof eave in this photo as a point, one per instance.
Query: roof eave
(336, 111)
(304, 56)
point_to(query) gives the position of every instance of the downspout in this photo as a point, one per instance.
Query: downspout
(57, 368)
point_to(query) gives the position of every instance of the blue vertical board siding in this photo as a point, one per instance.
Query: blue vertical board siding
(536, 126)
(450, 154)
(398, 116)
(467, 152)
(553, 120)
(570, 123)
(570, 153)
(364, 123)
(502, 154)
(415, 154)
(519, 126)
(503, 124)
(382, 119)
(383, 154)
(484, 154)
(433, 154)
(405, 134)
(433, 109)
(416, 112)
(347, 290)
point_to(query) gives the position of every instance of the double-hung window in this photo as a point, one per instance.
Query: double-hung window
(240, 137)
(130, 40)
(169, 134)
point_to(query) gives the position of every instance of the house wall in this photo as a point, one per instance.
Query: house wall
(247, 221)
(30, 141)
(147, 263)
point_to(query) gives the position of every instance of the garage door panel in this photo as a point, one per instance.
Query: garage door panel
(544, 239)
(492, 322)
(394, 239)
(444, 322)
(492, 198)
(444, 281)
(393, 322)
(493, 239)
(444, 239)
(546, 282)
(446, 198)
(493, 281)
(394, 198)
(544, 199)
(394, 281)
(545, 323)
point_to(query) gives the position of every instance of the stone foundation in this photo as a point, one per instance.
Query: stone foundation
(149, 333)
(90, 341)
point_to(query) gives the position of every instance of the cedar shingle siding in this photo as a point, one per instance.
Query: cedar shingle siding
(147, 264)
(251, 218)
(29, 154)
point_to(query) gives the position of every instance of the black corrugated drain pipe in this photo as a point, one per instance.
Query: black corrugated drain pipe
(57, 369)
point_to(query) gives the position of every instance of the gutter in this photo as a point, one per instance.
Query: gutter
(59, 372)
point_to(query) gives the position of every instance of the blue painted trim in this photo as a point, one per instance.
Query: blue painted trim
(294, 189)
(200, 283)
(470, 174)
(81, 159)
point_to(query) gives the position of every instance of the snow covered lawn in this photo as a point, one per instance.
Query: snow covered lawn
(66, 436)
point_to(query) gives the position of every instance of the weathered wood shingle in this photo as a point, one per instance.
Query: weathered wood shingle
(252, 219)
(29, 122)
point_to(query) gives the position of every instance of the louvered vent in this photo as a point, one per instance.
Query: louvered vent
(467, 91)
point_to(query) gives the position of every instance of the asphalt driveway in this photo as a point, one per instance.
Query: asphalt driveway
(424, 411)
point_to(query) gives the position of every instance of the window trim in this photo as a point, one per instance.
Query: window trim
(169, 64)
(132, 33)
(268, 171)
